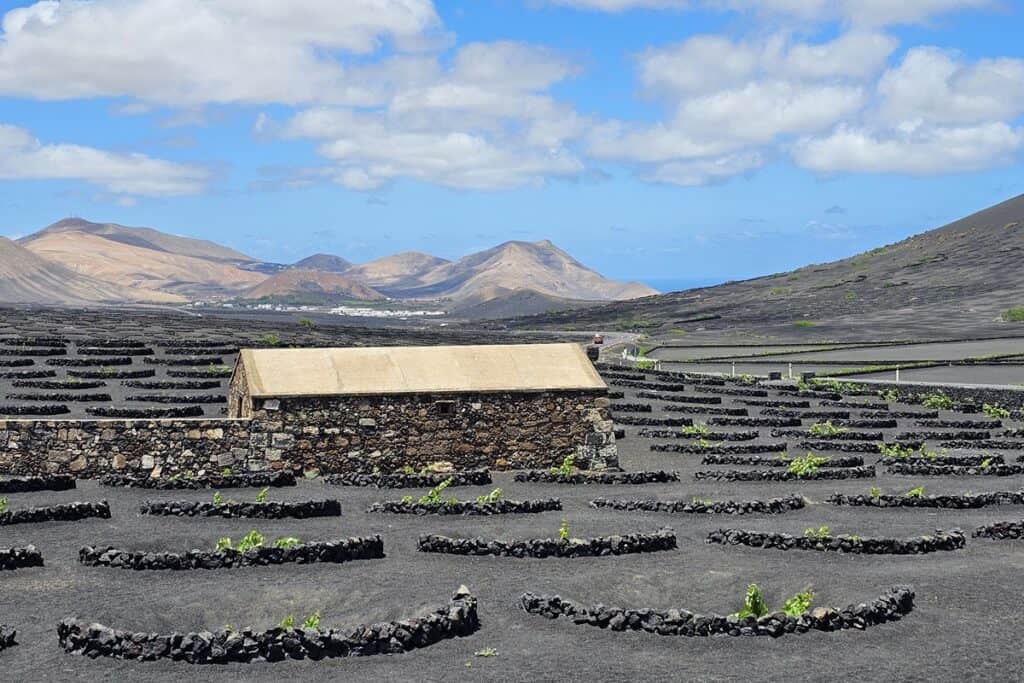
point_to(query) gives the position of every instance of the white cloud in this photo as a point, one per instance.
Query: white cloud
(194, 52)
(483, 123)
(23, 157)
(729, 99)
(937, 86)
(917, 151)
(705, 171)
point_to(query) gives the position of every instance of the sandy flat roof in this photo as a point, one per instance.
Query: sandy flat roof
(418, 369)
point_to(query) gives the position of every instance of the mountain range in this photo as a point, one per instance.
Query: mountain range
(77, 261)
(956, 280)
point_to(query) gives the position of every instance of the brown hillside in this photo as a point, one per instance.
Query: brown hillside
(297, 283)
(28, 278)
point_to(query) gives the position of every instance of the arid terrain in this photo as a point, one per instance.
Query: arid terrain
(961, 612)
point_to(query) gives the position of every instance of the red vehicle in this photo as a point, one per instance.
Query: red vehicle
(598, 339)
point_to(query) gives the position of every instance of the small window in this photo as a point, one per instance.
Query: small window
(445, 407)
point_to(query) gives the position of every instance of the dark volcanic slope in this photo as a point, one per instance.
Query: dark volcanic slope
(957, 279)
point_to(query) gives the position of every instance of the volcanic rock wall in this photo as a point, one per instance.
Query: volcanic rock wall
(327, 435)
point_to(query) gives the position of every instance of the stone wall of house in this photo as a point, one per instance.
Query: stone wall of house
(327, 435)
(387, 433)
(89, 448)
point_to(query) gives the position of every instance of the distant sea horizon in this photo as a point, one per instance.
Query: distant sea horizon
(678, 285)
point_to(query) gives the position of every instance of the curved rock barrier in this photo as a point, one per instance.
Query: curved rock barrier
(20, 557)
(676, 398)
(840, 436)
(400, 480)
(767, 461)
(807, 414)
(864, 423)
(707, 436)
(655, 386)
(302, 509)
(639, 421)
(892, 606)
(992, 443)
(45, 482)
(939, 541)
(963, 435)
(549, 477)
(145, 413)
(956, 502)
(1000, 530)
(28, 374)
(775, 404)
(53, 409)
(960, 424)
(901, 414)
(754, 421)
(705, 410)
(344, 550)
(920, 468)
(16, 363)
(215, 481)
(468, 508)
(456, 619)
(960, 460)
(58, 384)
(90, 362)
(632, 408)
(171, 384)
(866, 472)
(853, 446)
(115, 350)
(600, 546)
(719, 450)
(62, 397)
(185, 361)
(112, 374)
(773, 506)
(856, 405)
(64, 512)
(183, 398)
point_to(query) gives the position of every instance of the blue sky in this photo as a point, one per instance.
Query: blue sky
(671, 141)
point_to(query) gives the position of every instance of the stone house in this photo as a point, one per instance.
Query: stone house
(384, 408)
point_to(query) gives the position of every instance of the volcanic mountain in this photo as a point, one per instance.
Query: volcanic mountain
(951, 281)
(142, 258)
(27, 278)
(328, 263)
(299, 285)
(539, 267)
(402, 270)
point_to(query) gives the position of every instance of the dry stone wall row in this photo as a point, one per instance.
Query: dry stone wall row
(956, 502)
(344, 550)
(773, 506)
(20, 557)
(64, 512)
(549, 477)
(466, 508)
(892, 606)
(600, 546)
(939, 541)
(401, 480)
(457, 619)
(211, 481)
(302, 509)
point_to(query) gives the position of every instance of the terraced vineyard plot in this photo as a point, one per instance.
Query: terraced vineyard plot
(893, 637)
